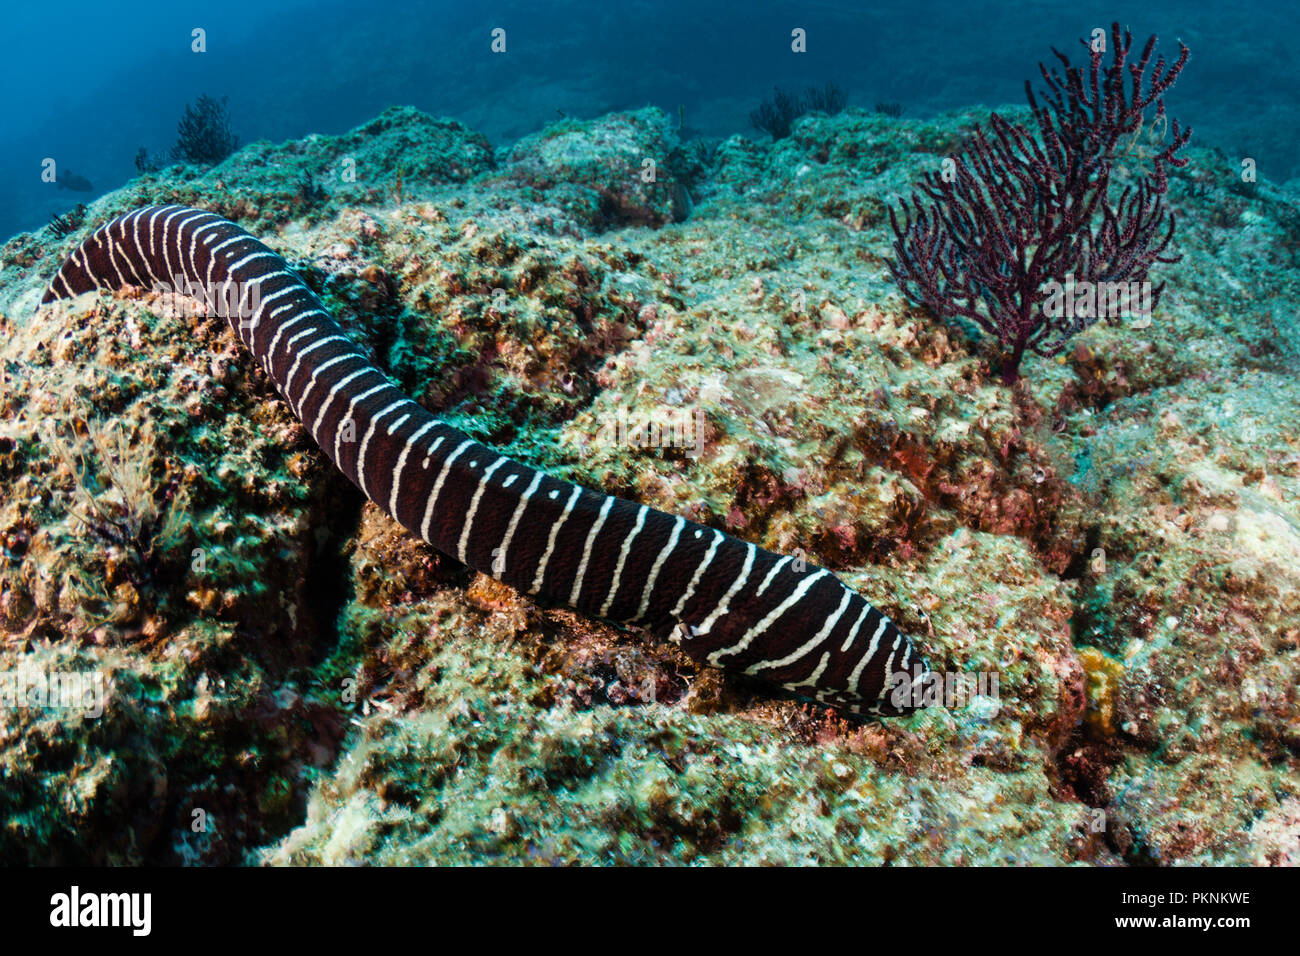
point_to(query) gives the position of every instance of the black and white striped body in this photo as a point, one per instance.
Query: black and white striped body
(745, 609)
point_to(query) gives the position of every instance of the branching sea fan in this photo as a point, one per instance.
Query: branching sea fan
(997, 235)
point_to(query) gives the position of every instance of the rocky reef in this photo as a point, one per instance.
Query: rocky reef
(287, 677)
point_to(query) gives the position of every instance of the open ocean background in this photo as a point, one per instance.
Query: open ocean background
(91, 84)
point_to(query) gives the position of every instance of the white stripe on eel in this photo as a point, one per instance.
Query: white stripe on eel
(678, 523)
(586, 549)
(437, 487)
(748, 638)
(550, 541)
(503, 555)
(473, 506)
(622, 560)
(812, 642)
(401, 460)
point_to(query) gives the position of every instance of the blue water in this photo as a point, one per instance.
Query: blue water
(88, 84)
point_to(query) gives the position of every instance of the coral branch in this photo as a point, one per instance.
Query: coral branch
(1019, 214)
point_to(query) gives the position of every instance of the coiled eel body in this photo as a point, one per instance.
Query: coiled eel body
(729, 603)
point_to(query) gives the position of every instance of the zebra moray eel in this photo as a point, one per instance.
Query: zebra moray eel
(729, 603)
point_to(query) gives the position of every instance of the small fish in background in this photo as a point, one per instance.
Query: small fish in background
(80, 184)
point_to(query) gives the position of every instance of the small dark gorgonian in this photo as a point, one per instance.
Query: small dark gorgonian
(204, 135)
(1015, 217)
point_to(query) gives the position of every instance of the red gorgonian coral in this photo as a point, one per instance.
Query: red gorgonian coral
(995, 236)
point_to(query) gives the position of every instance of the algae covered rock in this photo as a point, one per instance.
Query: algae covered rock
(617, 170)
(1101, 562)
